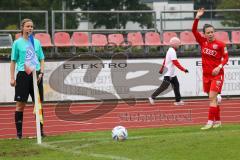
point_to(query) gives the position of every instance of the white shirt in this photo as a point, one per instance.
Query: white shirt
(171, 55)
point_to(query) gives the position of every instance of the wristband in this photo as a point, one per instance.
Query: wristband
(220, 65)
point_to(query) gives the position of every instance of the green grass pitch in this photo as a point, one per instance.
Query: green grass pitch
(179, 143)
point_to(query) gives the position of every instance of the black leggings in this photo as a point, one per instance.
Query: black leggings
(165, 84)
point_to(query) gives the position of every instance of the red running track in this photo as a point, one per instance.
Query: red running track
(142, 115)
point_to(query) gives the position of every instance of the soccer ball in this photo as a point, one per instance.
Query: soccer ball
(119, 133)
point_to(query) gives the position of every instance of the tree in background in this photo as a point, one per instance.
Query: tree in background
(11, 21)
(230, 19)
(207, 4)
(110, 20)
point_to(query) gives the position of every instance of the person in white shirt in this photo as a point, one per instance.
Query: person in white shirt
(169, 64)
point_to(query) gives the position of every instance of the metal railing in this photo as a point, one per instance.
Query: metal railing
(116, 13)
(179, 20)
(25, 14)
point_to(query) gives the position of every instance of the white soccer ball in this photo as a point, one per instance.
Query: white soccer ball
(119, 133)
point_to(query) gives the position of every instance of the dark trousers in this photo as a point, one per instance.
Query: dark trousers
(165, 84)
(23, 88)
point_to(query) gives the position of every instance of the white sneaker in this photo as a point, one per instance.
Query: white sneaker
(217, 124)
(219, 98)
(151, 101)
(207, 127)
(180, 103)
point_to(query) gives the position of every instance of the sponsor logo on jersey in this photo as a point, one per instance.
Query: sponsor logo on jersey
(209, 52)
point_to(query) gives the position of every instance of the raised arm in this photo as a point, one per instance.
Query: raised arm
(197, 35)
(200, 12)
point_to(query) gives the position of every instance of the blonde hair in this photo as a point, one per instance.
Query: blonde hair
(23, 22)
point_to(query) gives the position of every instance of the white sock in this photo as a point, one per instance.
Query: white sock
(219, 98)
(217, 122)
(210, 122)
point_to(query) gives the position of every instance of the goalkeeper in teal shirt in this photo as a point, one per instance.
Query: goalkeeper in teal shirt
(25, 51)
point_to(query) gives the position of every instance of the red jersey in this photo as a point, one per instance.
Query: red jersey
(212, 53)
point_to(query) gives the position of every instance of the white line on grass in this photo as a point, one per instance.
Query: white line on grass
(93, 139)
(78, 152)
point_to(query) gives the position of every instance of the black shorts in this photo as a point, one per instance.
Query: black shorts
(24, 87)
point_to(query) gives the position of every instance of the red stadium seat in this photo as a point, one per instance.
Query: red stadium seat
(167, 36)
(18, 35)
(80, 39)
(152, 39)
(222, 36)
(99, 40)
(135, 39)
(187, 38)
(62, 39)
(116, 40)
(45, 39)
(236, 37)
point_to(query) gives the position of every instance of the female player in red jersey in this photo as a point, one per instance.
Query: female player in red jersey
(214, 57)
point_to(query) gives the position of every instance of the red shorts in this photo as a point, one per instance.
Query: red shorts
(213, 84)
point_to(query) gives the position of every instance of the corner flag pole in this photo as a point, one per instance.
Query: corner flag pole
(36, 95)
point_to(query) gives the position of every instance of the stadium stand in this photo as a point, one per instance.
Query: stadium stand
(188, 43)
(80, 39)
(83, 39)
(167, 36)
(62, 39)
(152, 39)
(222, 36)
(116, 40)
(45, 39)
(99, 40)
(6, 41)
(135, 39)
(18, 35)
(187, 38)
(235, 37)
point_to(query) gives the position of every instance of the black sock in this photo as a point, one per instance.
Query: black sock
(18, 122)
(41, 126)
